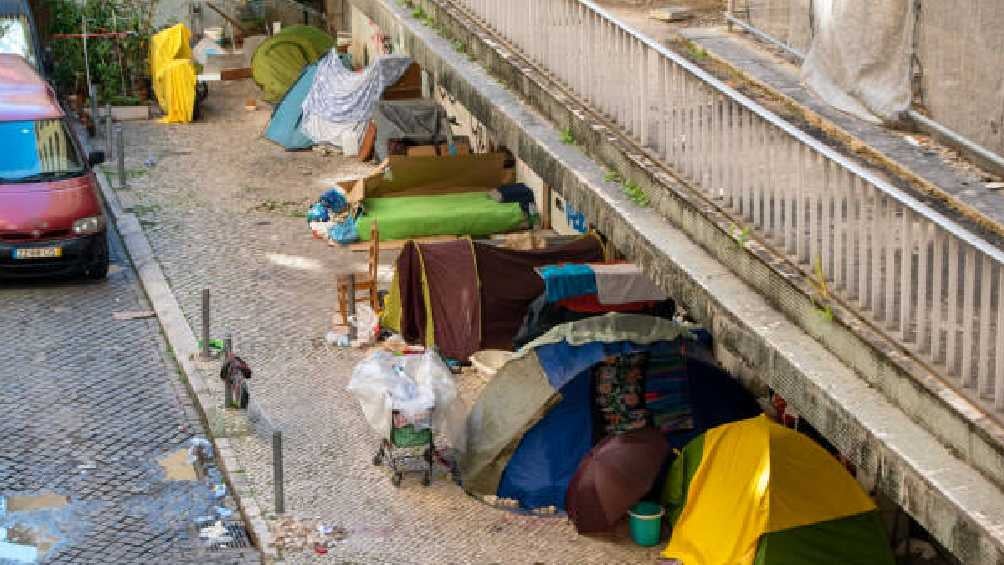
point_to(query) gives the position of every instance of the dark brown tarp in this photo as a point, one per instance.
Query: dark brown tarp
(475, 305)
(509, 283)
(453, 293)
(409, 280)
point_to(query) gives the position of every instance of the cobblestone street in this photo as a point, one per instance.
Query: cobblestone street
(89, 407)
(223, 209)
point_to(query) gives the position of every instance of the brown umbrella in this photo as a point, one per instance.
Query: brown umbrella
(614, 476)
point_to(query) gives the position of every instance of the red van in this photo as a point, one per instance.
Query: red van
(51, 221)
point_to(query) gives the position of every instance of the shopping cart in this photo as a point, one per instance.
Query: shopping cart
(403, 452)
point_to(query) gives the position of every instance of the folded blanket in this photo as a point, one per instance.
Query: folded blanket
(567, 281)
(624, 282)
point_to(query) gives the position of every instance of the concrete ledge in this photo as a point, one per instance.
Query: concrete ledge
(908, 383)
(955, 502)
(181, 339)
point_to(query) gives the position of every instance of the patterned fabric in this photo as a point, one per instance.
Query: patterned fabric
(620, 392)
(667, 390)
(341, 101)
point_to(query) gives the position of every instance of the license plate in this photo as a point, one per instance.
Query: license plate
(38, 253)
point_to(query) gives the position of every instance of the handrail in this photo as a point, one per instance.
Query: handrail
(775, 120)
(907, 269)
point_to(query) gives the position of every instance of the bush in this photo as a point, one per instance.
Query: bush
(116, 64)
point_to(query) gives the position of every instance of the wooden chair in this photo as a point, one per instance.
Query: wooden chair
(367, 283)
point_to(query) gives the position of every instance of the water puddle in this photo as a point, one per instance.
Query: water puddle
(21, 543)
(177, 466)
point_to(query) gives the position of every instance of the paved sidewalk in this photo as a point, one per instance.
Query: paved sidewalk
(222, 209)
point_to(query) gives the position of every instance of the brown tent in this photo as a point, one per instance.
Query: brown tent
(463, 296)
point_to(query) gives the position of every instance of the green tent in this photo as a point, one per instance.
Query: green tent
(278, 61)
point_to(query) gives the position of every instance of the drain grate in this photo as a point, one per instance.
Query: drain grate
(235, 538)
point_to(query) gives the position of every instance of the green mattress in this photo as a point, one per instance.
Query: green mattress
(466, 213)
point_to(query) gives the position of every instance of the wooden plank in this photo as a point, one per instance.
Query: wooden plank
(235, 74)
(408, 87)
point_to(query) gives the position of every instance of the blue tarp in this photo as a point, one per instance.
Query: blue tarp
(550, 452)
(284, 127)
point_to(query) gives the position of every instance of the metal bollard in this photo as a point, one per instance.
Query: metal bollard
(120, 153)
(205, 323)
(228, 348)
(92, 93)
(353, 328)
(277, 478)
(109, 147)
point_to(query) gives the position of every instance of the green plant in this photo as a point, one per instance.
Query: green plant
(118, 100)
(567, 137)
(611, 175)
(459, 46)
(635, 193)
(421, 15)
(741, 235)
(116, 64)
(696, 52)
(821, 296)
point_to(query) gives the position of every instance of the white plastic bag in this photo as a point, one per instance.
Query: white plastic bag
(371, 381)
(367, 324)
(450, 414)
(383, 383)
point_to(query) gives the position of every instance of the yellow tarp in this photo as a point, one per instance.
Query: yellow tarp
(173, 74)
(758, 477)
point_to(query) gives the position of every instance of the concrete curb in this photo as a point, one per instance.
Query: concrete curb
(184, 345)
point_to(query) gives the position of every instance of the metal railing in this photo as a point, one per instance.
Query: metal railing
(907, 269)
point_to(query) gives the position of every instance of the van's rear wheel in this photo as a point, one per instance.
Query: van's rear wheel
(97, 269)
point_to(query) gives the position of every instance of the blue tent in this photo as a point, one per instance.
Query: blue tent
(537, 418)
(284, 126)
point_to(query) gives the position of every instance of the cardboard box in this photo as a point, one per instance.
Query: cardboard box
(463, 148)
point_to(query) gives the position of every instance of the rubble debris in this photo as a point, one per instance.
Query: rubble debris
(199, 449)
(291, 533)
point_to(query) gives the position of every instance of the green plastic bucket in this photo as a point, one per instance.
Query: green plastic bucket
(646, 523)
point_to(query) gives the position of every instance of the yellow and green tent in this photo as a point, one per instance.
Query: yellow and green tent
(753, 492)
